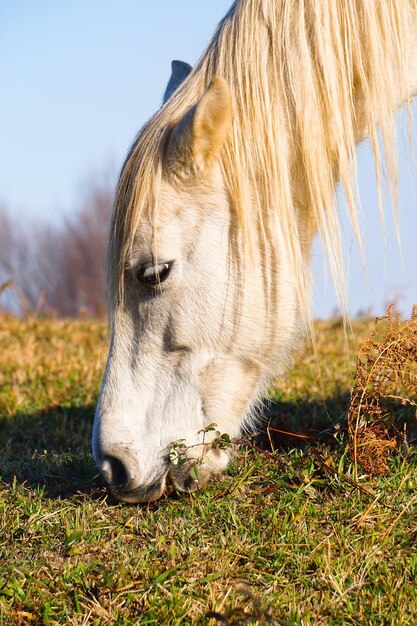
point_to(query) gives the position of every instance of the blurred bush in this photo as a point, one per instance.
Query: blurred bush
(57, 270)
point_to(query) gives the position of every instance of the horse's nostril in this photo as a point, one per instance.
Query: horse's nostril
(114, 472)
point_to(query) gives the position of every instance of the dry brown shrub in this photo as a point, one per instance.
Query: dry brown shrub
(385, 393)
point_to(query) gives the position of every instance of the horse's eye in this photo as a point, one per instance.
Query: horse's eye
(153, 275)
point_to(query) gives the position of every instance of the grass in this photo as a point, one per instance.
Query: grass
(286, 537)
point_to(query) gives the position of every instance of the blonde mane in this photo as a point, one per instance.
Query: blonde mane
(308, 79)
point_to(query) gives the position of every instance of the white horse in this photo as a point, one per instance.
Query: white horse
(217, 205)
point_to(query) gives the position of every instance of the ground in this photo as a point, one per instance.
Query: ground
(286, 537)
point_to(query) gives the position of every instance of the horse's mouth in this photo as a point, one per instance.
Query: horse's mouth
(172, 481)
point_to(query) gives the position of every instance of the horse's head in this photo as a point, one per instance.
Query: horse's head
(190, 346)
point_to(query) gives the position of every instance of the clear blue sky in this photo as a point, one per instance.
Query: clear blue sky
(80, 77)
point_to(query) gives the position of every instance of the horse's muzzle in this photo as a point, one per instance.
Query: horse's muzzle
(124, 485)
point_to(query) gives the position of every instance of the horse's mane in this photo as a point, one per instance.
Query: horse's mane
(307, 78)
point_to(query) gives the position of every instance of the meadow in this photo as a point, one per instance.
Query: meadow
(290, 535)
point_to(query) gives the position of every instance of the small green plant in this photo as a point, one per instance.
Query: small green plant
(179, 452)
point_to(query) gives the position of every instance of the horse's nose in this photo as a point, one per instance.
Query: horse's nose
(115, 473)
(127, 483)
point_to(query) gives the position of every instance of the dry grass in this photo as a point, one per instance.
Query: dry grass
(385, 393)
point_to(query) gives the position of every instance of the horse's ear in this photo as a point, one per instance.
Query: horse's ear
(196, 141)
(179, 72)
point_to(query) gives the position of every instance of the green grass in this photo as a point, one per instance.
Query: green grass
(283, 538)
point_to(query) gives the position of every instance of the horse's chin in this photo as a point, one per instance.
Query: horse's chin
(141, 494)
